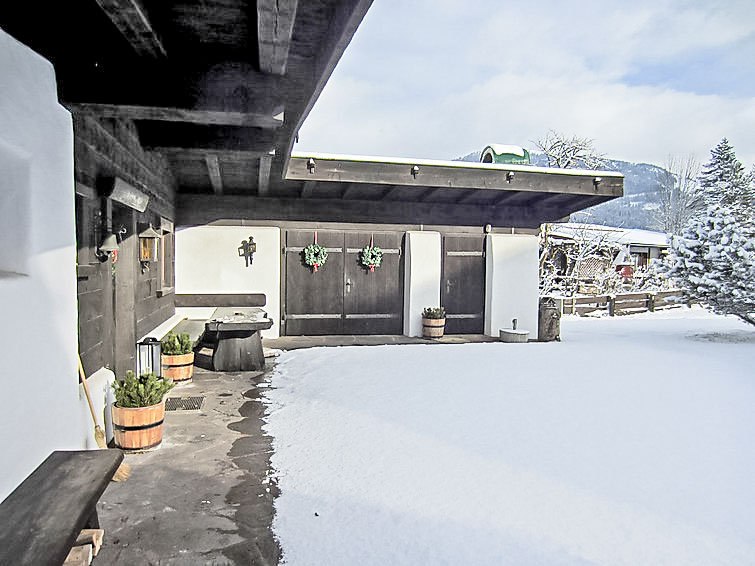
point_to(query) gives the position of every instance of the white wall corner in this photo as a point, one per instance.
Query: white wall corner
(422, 274)
(511, 282)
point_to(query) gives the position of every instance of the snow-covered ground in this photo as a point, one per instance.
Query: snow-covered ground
(630, 442)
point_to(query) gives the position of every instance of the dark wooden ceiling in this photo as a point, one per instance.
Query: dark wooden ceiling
(220, 87)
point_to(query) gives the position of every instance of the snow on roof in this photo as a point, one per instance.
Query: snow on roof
(500, 149)
(623, 236)
(448, 163)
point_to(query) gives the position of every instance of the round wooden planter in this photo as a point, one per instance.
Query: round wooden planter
(433, 327)
(138, 429)
(179, 368)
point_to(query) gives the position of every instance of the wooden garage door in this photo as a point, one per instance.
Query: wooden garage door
(343, 297)
(463, 284)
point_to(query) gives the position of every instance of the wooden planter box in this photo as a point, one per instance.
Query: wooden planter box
(138, 429)
(433, 327)
(179, 368)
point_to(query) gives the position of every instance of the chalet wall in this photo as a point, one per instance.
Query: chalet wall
(207, 261)
(40, 403)
(104, 149)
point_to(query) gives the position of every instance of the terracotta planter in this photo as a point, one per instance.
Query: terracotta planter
(433, 327)
(138, 429)
(179, 368)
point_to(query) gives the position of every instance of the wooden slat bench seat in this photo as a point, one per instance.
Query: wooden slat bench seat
(41, 519)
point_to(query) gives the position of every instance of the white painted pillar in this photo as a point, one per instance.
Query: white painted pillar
(422, 272)
(511, 285)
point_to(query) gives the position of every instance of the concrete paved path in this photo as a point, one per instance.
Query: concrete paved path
(206, 495)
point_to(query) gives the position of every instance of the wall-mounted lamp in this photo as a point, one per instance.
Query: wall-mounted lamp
(247, 249)
(597, 181)
(488, 228)
(509, 176)
(148, 243)
(415, 171)
(311, 165)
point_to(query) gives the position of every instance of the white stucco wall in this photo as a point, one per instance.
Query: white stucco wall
(207, 261)
(40, 404)
(422, 273)
(102, 397)
(511, 286)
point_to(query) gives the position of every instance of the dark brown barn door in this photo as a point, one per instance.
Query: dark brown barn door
(343, 297)
(314, 301)
(373, 300)
(463, 284)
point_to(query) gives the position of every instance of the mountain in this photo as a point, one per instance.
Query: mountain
(633, 210)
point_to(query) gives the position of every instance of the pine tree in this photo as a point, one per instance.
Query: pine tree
(725, 182)
(713, 263)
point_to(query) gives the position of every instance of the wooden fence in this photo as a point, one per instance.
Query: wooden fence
(616, 305)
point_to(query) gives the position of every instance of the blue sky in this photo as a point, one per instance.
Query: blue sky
(442, 78)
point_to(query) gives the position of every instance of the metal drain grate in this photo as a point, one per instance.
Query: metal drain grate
(184, 403)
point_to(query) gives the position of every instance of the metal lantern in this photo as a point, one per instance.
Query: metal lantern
(148, 242)
(148, 356)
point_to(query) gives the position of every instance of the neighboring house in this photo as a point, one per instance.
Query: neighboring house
(585, 253)
(180, 118)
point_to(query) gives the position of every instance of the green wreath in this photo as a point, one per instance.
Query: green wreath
(315, 256)
(372, 256)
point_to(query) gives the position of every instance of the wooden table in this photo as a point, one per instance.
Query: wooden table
(238, 344)
(40, 520)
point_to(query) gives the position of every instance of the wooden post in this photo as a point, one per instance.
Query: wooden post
(651, 302)
(611, 305)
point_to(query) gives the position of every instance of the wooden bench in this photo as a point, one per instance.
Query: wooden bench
(41, 519)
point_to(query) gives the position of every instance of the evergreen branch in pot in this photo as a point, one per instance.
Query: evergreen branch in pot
(176, 344)
(143, 391)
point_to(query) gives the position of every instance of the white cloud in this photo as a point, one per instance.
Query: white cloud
(449, 80)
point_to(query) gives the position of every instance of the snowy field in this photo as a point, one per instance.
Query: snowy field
(630, 442)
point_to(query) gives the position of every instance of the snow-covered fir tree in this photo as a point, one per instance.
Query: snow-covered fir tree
(725, 182)
(713, 263)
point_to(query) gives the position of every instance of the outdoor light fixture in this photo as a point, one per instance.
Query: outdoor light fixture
(509, 176)
(148, 243)
(311, 165)
(597, 181)
(247, 249)
(415, 171)
(148, 356)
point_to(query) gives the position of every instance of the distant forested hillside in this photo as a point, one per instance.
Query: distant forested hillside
(633, 210)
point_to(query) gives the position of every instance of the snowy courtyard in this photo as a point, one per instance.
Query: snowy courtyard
(630, 442)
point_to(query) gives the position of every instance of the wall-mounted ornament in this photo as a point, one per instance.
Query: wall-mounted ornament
(315, 255)
(247, 249)
(372, 255)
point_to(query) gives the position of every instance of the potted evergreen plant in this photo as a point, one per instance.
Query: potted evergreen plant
(139, 411)
(433, 322)
(177, 357)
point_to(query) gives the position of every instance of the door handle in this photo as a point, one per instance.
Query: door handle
(348, 285)
(449, 286)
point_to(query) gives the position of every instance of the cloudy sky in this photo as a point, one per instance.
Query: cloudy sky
(442, 78)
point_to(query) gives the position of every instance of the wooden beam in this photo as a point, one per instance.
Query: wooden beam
(193, 210)
(130, 17)
(462, 176)
(350, 191)
(199, 154)
(170, 114)
(263, 178)
(154, 134)
(308, 188)
(213, 170)
(275, 24)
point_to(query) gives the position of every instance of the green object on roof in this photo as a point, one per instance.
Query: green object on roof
(500, 153)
